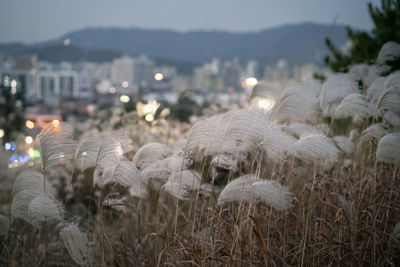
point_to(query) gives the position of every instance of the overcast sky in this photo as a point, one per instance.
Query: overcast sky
(38, 20)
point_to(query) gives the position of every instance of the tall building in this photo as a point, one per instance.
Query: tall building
(230, 74)
(143, 71)
(122, 70)
(54, 85)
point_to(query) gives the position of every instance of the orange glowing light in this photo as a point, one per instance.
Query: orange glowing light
(29, 124)
(55, 123)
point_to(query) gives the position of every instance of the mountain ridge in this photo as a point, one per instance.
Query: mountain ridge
(299, 43)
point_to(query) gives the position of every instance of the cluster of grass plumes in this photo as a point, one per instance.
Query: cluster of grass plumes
(314, 181)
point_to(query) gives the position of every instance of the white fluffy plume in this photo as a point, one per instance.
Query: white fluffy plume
(32, 180)
(76, 243)
(344, 144)
(389, 100)
(55, 142)
(376, 89)
(334, 90)
(182, 183)
(356, 105)
(298, 103)
(388, 150)
(43, 209)
(249, 189)
(28, 186)
(318, 149)
(298, 129)
(155, 173)
(150, 153)
(374, 132)
(94, 151)
(277, 144)
(232, 132)
(123, 173)
(226, 161)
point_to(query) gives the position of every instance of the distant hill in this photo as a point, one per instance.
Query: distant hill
(299, 43)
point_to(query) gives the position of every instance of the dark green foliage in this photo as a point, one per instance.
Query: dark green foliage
(364, 45)
(12, 106)
(185, 107)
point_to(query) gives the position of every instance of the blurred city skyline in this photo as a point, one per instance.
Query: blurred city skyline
(34, 21)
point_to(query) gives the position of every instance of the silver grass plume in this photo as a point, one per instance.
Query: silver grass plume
(277, 144)
(76, 243)
(334, 90)
(389, 100)
(180, 184)
(388, 149)
(318, 149)
(392, 118)
(206, 134)
(356, 105)
(4, 225)
(244, 130)
(359, 71)
(226, 161)
(344, 144)
(43, 209)
(232, 133)
(28, 186)
(175, 163)
(121, 172)
(55, 142)
(297, 129)
(150, 153)
(365, 73)
(96, 151)
(389, 52)
(375, 90)
(249, 189)
(297, 103)
(155, 172)
(374, 132)
(33, 180)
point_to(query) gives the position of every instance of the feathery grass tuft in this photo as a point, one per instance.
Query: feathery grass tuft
(76, 243)
(388, 149)
(55, 142)
(249, 189)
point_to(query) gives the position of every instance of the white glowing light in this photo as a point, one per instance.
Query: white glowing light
(149, 117)
(1, 133)
(265, 104)
(158, 76)
(118, 149)
(28, 140)
(125, 84)
(148, 108)
(13, 83)
(55, 123)
(251, 82)
(67, 42)
(7, 146)
(124, 98)
(112, 90)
